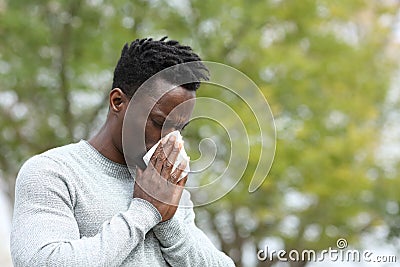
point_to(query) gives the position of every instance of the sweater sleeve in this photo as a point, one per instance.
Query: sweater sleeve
(45, 232)
(184, 244)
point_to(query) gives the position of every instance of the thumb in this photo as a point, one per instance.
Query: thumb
(139, 172)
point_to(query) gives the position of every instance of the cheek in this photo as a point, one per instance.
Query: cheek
(153, 134)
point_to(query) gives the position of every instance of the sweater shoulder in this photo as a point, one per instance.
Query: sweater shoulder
(62, 154)
(55, 161)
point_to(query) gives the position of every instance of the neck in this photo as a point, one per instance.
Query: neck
(104, 143)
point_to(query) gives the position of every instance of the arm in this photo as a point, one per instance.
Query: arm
(45, 232)
(183, 244)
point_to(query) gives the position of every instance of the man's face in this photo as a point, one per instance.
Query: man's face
(155, 118)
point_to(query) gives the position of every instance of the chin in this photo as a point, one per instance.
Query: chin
(133, 161)
(141, 165)
(149, 146)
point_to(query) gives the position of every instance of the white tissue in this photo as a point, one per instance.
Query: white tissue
(182, 155)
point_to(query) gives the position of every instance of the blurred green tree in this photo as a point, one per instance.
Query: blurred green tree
(324, 66)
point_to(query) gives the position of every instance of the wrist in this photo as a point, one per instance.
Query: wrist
(170, 231)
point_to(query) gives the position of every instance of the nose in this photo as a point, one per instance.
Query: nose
(166, 131)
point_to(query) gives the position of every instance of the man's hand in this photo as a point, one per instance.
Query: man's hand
(157, 184)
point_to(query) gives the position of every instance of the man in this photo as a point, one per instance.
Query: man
(79, 205)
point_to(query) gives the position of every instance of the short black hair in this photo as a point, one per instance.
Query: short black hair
(145, 57)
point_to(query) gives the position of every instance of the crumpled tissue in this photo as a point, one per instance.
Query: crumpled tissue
(182, 154)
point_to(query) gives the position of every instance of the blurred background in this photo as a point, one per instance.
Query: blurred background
(328, 68)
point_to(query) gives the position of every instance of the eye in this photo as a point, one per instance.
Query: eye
(157, 123)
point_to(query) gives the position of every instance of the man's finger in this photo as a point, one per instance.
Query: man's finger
(170, 161)
(138, 172)
(182, 182)
(176, 174)
(167, 150)
(156, 154)
(160, 158)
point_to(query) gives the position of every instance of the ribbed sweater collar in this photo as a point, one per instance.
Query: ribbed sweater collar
(105, 164)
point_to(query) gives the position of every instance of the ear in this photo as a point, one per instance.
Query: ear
(118, 100)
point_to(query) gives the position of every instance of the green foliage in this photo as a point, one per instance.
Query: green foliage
(324, 67)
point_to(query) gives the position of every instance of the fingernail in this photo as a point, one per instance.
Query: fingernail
(172, 138)
(164, 140)
(183, 164)
(176, 144)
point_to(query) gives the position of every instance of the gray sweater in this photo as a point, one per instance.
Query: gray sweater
(74, 207)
